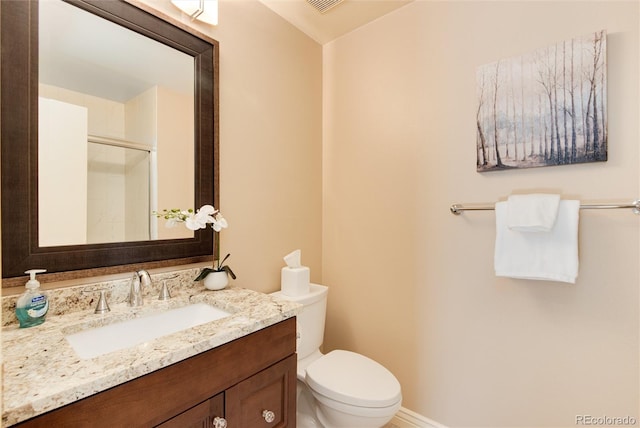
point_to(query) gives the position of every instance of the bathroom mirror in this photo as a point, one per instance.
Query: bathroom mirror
(21, 244)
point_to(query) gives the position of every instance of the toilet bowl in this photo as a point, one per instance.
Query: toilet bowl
(352, 390)
(341, 388)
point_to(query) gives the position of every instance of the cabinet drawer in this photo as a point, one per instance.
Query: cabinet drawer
(200, 416)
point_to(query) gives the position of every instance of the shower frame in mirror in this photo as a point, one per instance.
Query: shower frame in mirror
(19, 148)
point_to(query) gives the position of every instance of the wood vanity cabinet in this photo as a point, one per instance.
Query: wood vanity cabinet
(250, 382)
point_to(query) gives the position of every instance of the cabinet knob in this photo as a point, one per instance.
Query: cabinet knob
(219, 422)
(268, 416)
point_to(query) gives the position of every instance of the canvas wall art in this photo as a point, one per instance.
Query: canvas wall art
(545, 108)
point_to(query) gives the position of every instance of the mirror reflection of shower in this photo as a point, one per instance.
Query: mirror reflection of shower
(98, 189)
(120, 191)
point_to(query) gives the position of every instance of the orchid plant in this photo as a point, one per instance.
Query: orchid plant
(195, 220)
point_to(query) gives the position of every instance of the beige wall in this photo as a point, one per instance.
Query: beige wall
(270, 140)
(412, 285)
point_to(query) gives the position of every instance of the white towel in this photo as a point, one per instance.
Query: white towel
(532, 213)
(551, 256)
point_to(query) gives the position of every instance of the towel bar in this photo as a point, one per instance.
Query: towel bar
(457, 209)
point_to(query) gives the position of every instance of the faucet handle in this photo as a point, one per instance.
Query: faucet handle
(164, 291)
(102, 306)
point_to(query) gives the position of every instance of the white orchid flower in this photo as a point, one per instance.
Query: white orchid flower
(205, 217)
(193, 223)
(194, 220)
(207, 209)
(219, 222)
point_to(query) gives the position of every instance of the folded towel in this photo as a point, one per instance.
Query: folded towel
(532, 213)
(549, 256)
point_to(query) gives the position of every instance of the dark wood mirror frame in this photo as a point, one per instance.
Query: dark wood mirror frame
(19, 141)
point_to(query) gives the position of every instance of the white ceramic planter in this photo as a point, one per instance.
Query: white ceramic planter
(216, 280)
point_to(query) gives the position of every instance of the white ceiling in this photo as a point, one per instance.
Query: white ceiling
(335, 22)
(83, 53)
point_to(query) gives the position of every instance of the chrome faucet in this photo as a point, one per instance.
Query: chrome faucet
(139, 281)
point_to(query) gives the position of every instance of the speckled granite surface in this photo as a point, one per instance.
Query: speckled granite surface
(66, 300)
(42, 372)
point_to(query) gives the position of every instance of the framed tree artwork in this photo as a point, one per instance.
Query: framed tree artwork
(545, 108)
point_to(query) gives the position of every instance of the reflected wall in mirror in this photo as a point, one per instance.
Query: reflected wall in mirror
(157, 147)
(126, 117)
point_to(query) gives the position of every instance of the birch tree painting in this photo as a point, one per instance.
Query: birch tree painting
(548, 107)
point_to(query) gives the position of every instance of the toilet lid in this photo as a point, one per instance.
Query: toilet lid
(353, 379)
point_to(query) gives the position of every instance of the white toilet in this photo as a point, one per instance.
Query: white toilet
(341, 389)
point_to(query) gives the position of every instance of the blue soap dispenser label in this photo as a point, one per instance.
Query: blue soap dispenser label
(39, 306)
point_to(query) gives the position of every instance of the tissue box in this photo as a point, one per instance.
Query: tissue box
(294, 281)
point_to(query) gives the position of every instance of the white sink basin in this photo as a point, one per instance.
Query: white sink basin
(125, 334)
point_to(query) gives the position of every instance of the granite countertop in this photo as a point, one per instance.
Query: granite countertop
(41, 371)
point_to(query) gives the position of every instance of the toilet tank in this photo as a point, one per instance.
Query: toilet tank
(310, 319)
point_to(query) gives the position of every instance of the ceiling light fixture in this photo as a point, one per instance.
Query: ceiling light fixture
(202, 10)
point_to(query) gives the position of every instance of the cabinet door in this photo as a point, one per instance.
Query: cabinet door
(266, 399)
(199, 416)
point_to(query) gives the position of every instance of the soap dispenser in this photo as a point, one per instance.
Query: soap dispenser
(32, 306)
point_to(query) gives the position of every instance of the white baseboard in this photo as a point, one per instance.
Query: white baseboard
(405, 418)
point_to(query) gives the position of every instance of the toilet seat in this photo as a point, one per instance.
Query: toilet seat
(353, 379)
